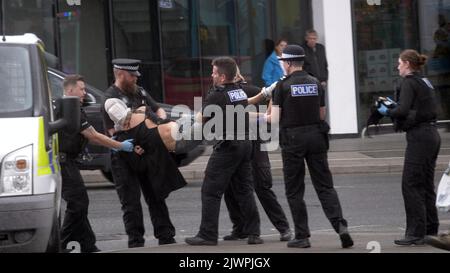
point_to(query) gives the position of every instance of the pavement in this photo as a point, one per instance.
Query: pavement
(383, 153)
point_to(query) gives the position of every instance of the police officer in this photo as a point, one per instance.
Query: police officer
(262, 178)
(299, 105)
(76, 226)
(128, 184)
(415, 113)
(230, 161)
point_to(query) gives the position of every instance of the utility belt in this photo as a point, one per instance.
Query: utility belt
(302, 129)
(424, 124)
(64, 157)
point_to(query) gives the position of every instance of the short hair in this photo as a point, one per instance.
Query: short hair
(310, 31)
(296, 63)
(71, 80)
(279, 41)
(226, 66)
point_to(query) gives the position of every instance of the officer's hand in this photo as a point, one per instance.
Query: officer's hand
(382, 109)
(391, 102)
(127, 146)
(267, 91)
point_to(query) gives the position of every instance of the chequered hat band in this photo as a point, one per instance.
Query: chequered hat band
(290, 56)
(124, 67)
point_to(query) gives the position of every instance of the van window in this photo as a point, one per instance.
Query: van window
(15, 86)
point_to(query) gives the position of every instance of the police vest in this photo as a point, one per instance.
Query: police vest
(300, 97)
(231, 95)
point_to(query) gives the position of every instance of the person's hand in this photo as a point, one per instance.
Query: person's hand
(127, 146)
(262, 119)
(138, 150)
(267, 91)
(382, 109)
(391, 103)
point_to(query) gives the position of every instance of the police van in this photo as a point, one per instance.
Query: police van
(30, 179)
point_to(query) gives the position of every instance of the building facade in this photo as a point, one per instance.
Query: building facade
(177, 39)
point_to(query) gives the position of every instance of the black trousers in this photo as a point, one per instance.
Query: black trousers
(76, 226)
(309, 144)
(262, 182)
(128, 186)
(229, 163)
(423, 144)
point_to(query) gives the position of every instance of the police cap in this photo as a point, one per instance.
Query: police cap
(130, 65)
(293, 53)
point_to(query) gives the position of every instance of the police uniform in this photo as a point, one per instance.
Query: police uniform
(416, 115)
(76, 226)
(304, 137)
(262, 178)
(129, 183)
(229, 163)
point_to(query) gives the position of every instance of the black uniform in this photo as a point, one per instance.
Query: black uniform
(128, 183)
(76, 226)
(229, 162)
(262, 181)
(416, 114)
(303, 136)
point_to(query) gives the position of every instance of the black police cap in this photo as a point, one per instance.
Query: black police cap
(293, 53)
(130, 65)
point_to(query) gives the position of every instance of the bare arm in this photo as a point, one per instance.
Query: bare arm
(161, 113)
(256, 99)
(99, 139)
(323, 113)
(273, 114)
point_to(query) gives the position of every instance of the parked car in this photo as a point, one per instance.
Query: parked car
(98, 157)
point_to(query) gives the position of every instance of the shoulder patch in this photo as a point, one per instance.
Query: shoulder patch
(237, 95)
(304, 90)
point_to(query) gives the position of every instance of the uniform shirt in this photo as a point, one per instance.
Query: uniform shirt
(73, 144)
(416, 94)
(300, 97)
(133, 101)
(229, 94)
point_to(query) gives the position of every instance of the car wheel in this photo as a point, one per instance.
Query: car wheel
(108, 175)
(54, 242)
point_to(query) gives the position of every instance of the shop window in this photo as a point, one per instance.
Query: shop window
(381, 33)
(31, 16)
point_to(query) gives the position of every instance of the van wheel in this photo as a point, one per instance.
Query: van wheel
(108, 175)
(54, 242)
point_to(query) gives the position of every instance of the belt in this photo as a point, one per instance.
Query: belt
(302, 129)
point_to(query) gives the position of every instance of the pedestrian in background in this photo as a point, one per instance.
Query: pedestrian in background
(316, 62)
(273, 71)
(76, 226)
(414, 112)
(299, 106)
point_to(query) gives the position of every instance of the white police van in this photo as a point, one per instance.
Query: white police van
(30, 180)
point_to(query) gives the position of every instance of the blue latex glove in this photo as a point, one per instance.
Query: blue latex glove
(127, 146)
(382, 109)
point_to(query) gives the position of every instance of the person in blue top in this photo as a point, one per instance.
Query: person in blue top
(273, 70)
